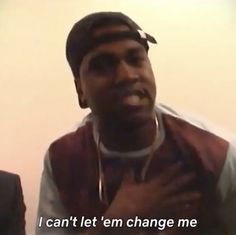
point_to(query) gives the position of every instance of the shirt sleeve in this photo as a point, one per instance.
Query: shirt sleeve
(50, 205)
(227, 189)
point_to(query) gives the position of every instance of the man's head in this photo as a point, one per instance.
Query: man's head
(107, 53)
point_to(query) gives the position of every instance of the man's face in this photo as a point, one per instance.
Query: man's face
(117, 81)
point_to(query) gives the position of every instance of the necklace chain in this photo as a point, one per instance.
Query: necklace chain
(101, 181)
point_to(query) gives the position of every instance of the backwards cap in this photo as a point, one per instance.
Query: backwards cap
(81, 38)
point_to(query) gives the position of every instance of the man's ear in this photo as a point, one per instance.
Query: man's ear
(81, 98)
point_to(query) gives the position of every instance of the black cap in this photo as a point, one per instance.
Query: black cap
(81, 39)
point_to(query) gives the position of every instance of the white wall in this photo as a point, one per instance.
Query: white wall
(194, 65)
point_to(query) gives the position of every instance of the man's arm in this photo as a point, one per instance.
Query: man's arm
(227, 188)
(50, 205)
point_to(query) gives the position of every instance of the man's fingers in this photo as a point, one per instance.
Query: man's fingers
(184, 199)
(170, 173)
(166, 175)
(179, 182)
(184, 205)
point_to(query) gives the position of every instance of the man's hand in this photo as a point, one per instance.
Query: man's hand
(162, 197)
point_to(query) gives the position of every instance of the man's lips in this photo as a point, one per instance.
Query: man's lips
(121, 92)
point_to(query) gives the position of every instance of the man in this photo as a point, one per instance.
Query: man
(12, 207)
(129, 157)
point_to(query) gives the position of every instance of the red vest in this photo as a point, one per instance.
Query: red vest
(74, 164)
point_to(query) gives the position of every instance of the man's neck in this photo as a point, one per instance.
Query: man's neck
(121, 139)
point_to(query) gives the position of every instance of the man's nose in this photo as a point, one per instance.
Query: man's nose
(126, 73)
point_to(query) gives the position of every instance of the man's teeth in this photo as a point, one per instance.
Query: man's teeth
(132, 100)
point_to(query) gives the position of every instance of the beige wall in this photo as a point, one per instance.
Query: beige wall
(194, 65)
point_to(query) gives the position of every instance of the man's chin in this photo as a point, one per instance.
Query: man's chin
(130, 120)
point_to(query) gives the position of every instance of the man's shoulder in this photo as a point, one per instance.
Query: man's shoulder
(5, 175)
(77, 136)
(194, 120)
(71, 152)
(175, 113)
(9, 183)
(74, 140)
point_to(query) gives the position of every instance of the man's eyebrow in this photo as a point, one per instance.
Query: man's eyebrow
(134, 49)
(100, 55)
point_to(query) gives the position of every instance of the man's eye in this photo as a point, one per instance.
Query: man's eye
(135, 59)
(102, 64)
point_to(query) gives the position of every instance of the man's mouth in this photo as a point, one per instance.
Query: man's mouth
(132, 100)
(137, 97)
